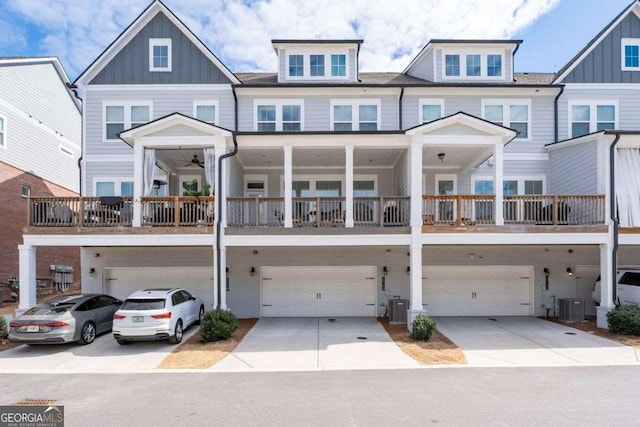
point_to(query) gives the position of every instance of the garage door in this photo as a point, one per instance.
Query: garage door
(123, 281)
(478, 290)
(318, 291)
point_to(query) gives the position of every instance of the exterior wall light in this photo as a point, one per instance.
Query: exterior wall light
(408, 269)
(569, 271)
(252, 271)
(385, 270)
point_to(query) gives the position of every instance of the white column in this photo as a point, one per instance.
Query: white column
(221, 190)
(415, 184)
(138, 183)
(606, 284)
(215, 277)
(348, 220)
(223, 282)
(498, 177)
(415, 281)
(288, 186)
(27, 271)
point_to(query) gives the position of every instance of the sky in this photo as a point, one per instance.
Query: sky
(239, 32)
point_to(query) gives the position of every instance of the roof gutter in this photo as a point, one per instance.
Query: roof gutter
(614, 218)
(555, 114)
(219, 270)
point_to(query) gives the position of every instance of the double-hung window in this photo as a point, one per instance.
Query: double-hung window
(355, 115)
(296, 65)
(119, 116)
(277, 115)
(452, 65)
(3, 132)
(316, 65)
(206, 111)
(630, 54)
(113, 187)
(339, 65)
(159, 54)
(589, 117)
(431, 109)
(473, 65)
(514, 114)
(494, 65)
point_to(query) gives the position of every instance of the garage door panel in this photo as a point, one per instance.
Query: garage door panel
(312, 291)
(478, 290)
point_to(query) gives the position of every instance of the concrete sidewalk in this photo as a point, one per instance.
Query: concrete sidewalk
(528, 341)
(303, 344)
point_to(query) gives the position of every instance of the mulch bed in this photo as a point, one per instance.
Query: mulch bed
(590, 327)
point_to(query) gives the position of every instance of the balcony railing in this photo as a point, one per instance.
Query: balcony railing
(180, 211)
(317, 211)
(522, 209)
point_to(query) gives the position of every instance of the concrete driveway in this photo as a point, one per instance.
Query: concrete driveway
(103, 355)
(528, 341)
(302, 344)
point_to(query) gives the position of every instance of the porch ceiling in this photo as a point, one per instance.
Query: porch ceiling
(175, 159)
(458, 158)
(319, 157)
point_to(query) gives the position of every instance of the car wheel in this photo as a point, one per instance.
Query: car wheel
(122, 342)
(177, 333)
(201, 315)
(88, 333)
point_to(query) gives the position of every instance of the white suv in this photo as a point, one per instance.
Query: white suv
(156, 314)
(628, 286)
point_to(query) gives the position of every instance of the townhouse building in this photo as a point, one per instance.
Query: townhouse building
(319, 190)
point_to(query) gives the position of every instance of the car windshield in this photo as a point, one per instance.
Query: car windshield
(143, 304)
(49, 309)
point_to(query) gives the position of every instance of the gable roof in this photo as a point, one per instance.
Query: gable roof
(132, 30)
(171, 120)
(564, 71)
(465, 119)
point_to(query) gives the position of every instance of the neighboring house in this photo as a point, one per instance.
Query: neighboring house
(40, 144)
(334, 190)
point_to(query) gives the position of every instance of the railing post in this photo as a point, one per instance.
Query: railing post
(381, 211)
(318, 211)
(458, 209)
(81, 212)
(257, 211)
(555, 210)
(176, 211)
(29, 210)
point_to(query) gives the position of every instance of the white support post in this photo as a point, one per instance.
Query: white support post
(215, 278)
(606, 285)
(288, 186)
(498, 177)
(348, 220)
(138, 183)
(223, 282)
(415, 282)
(219, 148)
(27, 271)
(415, 159)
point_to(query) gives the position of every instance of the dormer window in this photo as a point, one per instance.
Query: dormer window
(631, 54)
(339, 65)
(316, 65)
(296, 65)
(473, 65)
(159, 54)
(494, 65)
(452, 65)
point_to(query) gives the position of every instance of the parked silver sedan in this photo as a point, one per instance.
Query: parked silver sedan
(65, 318)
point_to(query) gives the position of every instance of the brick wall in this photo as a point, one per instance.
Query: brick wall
(13, 217)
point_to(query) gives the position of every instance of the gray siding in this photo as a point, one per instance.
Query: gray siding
(96, 170)
(235, 186)
(574, 170)
(189, 64)
(164, 103)
(604, 63)
(424, 68)
(401, 175)
(33, 127)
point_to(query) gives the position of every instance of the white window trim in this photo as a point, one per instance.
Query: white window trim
(117, 183)
(3, 139)
(506, 112)
(66, 151)
(127, 104)
(445, 177)
(206, 103)
(306, 64)
(355, 111)
(278, 102)
(313, 178)
(256, 178)
(430, 101)
(160, 42)
(628, 42)
(22, 187)
(520, 178)
(463, 64)
(593, 113)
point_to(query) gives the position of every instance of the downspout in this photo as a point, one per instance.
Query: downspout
(400, 108)
(614, 216)
(219, 269)
(555, 114)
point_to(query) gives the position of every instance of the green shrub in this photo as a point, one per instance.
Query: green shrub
(218, 325)
(4, 331)
(422, 328)
(625, 320)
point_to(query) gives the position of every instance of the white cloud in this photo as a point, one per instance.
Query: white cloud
(239, 32)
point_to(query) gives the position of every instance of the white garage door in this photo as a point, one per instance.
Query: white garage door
(318, 291)
(123, 281)
(478, 290)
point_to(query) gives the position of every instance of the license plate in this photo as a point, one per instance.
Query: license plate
(33, 328)
(138, 319)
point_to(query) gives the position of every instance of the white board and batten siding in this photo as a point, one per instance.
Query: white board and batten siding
(318, 291)
(499, 290)
(120, 282)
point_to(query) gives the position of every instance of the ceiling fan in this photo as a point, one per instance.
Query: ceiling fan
(196, 161)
